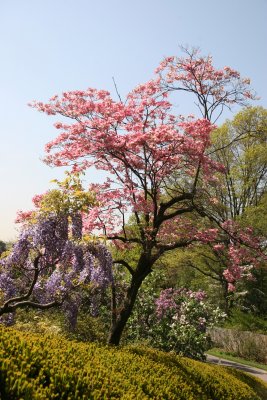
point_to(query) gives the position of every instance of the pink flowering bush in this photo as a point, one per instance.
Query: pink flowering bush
(174, 319)
(183, 317)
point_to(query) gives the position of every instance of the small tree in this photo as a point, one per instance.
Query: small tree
(157, 162)
(51, 261)
(241, 146)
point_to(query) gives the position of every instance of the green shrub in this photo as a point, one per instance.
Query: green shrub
(48, 367)
(246, 321)
(53, 322)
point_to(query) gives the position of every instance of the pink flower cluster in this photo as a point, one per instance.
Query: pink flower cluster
(170, 299)
(198, 75)
(23, 216)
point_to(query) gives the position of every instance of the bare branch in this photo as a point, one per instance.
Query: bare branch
(167, 247)
(177, 212)
(116, 88)
(27, 303)
(203, 272)
(124, 240)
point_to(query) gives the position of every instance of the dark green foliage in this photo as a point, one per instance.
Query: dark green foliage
(253, 298)
(2, 247)
(43, 367)
(246, 321)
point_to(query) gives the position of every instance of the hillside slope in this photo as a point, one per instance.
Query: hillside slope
(45, 367)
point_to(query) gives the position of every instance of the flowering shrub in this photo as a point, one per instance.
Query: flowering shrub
(46, 268)
(183, 317)
(174, 320)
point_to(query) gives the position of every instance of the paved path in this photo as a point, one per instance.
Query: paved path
(259, 373)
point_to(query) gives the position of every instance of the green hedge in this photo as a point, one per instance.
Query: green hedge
(41, 367)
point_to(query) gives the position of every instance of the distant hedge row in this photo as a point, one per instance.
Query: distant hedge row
(43, 367)
(249, 345)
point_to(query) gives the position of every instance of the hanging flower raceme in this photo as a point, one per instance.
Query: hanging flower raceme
(48, 264)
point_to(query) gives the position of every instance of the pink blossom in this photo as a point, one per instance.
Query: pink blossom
(37, 199)
(231, 287)
(23, 216)
(219, 247)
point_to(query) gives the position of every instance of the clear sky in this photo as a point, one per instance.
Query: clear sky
(50, 46)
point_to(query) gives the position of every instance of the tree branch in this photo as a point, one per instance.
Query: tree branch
(125, 264)
(125, 240)
(176, 213)
(28, 294)
(167, 247)
(203, 272)
(28, 303)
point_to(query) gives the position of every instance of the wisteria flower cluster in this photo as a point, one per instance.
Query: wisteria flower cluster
(50, 263)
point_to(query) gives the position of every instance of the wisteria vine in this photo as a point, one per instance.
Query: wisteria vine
(48, 265)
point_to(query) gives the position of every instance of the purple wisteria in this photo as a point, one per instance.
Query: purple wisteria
(49, 264)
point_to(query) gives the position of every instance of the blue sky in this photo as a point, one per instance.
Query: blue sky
(50, 46)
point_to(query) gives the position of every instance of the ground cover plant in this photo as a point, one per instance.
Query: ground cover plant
(42, 367)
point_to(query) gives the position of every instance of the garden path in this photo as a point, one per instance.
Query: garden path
(259, 373)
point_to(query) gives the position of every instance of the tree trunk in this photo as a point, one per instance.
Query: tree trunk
(118, 326)
(228, 302)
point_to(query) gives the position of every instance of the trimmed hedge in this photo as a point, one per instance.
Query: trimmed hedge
(46, 367)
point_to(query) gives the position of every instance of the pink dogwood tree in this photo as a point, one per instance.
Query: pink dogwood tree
(157, 163)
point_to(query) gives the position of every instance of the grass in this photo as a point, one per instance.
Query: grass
(229, 356)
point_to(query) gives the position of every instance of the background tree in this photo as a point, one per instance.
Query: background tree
(141, 143)
(240, 145)
(255, 296)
